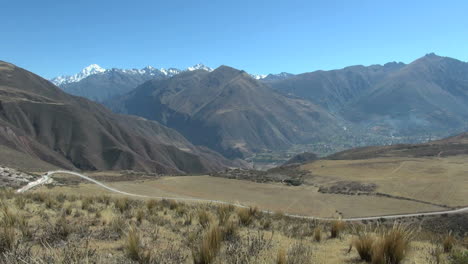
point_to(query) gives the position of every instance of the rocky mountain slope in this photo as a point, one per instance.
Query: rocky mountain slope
(40, 120)
(428, 97)
(229, 111)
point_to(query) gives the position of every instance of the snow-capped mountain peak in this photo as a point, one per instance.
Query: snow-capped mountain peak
(199, 66)
(258, 76)
(92, 69)
(87, 71)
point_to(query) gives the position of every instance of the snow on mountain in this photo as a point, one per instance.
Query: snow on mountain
(148, 70)
(90, 70)
(258, 76)
(199, 66)
(96, 69)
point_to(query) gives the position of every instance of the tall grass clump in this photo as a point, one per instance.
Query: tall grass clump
(134, 247)
(209, 246)
(364, 244)
(392, 245)
(448, 242)
(281, 256)
(246, 215)
(337, 228)
(317, 233)
(7, 239)
(122, 204)
(203, 218)
(224, 212)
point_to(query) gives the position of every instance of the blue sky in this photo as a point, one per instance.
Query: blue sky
(53, 38)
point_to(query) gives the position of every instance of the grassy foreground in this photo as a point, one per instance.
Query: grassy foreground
(41, 227)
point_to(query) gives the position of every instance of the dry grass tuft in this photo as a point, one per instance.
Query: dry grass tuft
(7, 239)
(364, 245)
(209, 246)
(122, 204)
(392, 245)
(134, 248)
(337, 227)
(281, 256)
(448, 242)
(246, 215)
(204, 218)
(224, 212)
(317, 233)
(152, 204)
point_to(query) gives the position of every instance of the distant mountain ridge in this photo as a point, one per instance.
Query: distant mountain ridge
(229, 111)
(428, 97)
(42, 122)
(94, 69)
(99, 84)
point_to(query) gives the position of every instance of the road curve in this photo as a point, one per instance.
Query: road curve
(47, 177)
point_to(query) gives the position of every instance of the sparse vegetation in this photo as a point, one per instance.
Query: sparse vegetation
(151, 232)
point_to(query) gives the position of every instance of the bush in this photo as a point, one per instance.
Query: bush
(392, 245)
(246, 215)
(10, 219)
(281, 256)
(448, 242)
(7, 239)
(203, 218)
(317, 233)
(209, 246)
(122, 204)
(224, 212)
(337, 227)
(151, 204)
(364, 244)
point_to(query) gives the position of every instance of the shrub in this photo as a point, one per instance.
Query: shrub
(68, 210)
(203, 218)
(229, 230)
(134, 248)
(62, 229)
(448, 242)
(9, 218)
(140, 215)
(281, 256)
(392, 245)
(117, 225)
(132, 244)
(7, 239)
(122, 204)
(317, 233)
(209, 246)
(151, 204)
(246, 215)
(20, 202)
(224, 212)
(364, 244)
(337, 227)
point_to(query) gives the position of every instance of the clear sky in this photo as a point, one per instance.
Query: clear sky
(54, 38)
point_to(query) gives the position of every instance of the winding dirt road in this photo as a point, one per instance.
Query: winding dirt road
(47, 178)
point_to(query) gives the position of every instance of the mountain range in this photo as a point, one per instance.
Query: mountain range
(99, 84)
(426, 97)
(229, 111)
(42, 122)
(237, 114)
